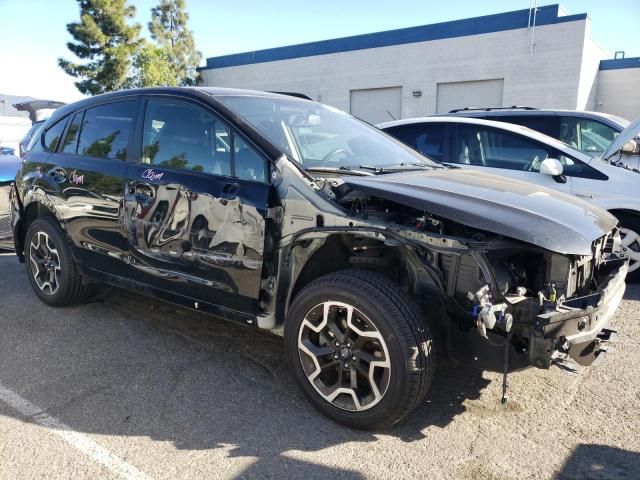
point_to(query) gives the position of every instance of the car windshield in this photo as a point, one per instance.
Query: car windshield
(319, 136)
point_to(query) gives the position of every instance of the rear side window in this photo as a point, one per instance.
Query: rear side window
(426, 138)
(184, 136)
(105, 130)
(70, 144)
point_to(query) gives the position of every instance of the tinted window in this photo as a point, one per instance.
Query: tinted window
(52, 135)
(70, 143)
(105, 130)
(184, 136)
(488, 147)
(427, 138)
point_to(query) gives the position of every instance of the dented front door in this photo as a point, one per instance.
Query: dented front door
(196, 234)
(195, 214)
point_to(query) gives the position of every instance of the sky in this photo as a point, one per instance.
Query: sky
(33, 32)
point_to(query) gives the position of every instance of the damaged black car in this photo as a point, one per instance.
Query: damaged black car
(288, 215)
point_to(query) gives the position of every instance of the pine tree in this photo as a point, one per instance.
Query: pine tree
(152, 67)
(106, 43)
(168, 27)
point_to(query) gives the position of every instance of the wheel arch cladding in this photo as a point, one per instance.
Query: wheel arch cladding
(32, 212)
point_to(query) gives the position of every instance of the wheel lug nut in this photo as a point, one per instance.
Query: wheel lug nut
(348, 344)
(337, 343)
(335, 356)
(354, 358)
(346, 364)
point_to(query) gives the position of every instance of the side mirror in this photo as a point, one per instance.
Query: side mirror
(632, 147)
(551, 166)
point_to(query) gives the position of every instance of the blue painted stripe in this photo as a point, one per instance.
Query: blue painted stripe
(617, 63)
(546, 15)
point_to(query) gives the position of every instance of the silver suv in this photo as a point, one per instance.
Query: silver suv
(591, 132)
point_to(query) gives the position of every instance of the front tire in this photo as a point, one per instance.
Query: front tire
(51, 269)
(359, 348)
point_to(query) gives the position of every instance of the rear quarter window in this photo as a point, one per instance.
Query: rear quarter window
(51, 137)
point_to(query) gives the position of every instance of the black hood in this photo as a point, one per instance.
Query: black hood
(518, 210)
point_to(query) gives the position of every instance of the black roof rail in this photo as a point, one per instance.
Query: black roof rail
(488, 109)
(295, 94)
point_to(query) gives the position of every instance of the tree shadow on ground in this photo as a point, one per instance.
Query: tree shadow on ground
(591, 462)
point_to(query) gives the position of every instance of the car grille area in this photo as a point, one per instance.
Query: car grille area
(573, 275)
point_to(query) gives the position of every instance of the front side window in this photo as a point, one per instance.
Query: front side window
(248, 164)
(106, 129)
(183, 136)
(487, 147)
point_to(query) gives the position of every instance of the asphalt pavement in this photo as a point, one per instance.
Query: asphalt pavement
(129, 387)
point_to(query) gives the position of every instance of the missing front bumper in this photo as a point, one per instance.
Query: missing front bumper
(575, 332)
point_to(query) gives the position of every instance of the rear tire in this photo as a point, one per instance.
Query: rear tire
(51, 269)
(631, 242)
(357, 332)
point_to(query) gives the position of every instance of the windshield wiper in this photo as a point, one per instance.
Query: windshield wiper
(339, 170)
(402, 167)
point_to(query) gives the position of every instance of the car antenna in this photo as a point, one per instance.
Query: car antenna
(392, 117)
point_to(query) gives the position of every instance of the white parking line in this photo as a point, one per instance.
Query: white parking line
(78, 440)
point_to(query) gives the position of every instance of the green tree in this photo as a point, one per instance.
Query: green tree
(152, 68)
(105, 43)
(168, 27)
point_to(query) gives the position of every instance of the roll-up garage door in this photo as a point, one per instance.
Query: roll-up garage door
(375, 105)
(480, 93)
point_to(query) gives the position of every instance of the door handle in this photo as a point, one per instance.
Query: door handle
(230, 190)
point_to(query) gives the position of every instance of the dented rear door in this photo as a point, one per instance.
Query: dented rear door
(195, 218)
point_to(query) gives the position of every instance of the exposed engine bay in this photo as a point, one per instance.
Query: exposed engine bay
(525, 299)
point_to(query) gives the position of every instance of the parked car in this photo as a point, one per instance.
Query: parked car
(39, 111)
(287, 215)
(9, 165)
(590, 132)
(524, 154)
(6, 150)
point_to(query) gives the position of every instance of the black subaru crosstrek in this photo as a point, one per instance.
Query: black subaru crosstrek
(285, 214)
